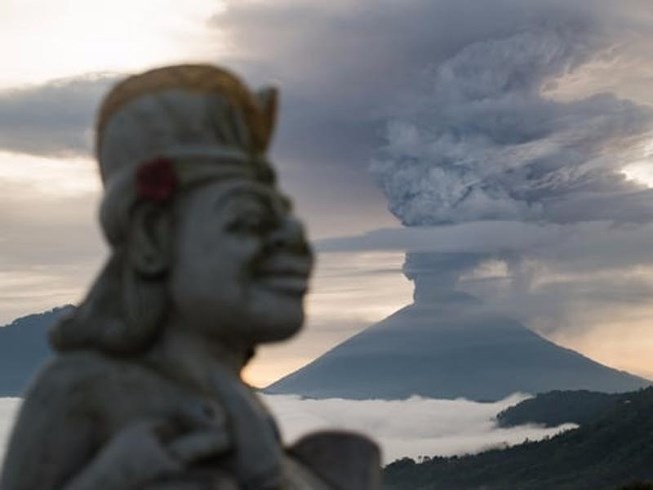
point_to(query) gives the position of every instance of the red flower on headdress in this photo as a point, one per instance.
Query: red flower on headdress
(156, 180)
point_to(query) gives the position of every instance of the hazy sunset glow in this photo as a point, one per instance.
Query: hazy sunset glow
(52, 40)
(61, 177)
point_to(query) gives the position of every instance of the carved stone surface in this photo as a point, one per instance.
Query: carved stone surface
(207, 261)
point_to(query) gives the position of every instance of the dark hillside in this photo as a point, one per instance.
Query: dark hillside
(607, 454)
(559, 407)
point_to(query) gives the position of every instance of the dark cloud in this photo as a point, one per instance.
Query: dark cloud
(575, 306)
(458, 99)
(53, 119)
(581, 247)
(562, 280)
(341, 64)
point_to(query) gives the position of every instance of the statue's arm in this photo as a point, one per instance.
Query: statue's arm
(55, 445)
(137, 458)
(50, 441)
(131, 459)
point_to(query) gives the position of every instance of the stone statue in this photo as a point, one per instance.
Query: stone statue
(207, 261)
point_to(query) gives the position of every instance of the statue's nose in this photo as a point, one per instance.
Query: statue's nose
(290, 237)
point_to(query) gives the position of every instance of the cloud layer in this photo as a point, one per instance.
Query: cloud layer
(413, 428)
(54, 118)
(50, 244)
(587, 286)
(8, 410)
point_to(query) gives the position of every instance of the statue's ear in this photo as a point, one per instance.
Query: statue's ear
(150, 247)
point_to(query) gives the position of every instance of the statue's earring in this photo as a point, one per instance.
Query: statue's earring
(149, 243)
(151, 264)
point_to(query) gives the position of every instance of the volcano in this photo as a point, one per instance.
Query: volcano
(448, 344)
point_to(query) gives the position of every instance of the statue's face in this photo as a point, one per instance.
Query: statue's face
(241, 263)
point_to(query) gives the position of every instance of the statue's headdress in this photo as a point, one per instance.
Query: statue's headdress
(177, 126)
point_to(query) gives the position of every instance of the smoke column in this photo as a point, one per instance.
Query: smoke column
(484, 138)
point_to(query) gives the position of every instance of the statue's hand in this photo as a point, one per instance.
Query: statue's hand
(218, 481)
(204, 434)
(199, 445)
(156, 450)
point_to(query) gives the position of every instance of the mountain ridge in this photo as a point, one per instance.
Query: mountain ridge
(24, 347)
(559, 407)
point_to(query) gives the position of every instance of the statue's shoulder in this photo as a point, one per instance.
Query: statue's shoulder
(56, 423)
(82, 371)
(64, 376)
(113, 390)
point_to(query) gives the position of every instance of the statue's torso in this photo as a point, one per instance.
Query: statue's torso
(101, 396)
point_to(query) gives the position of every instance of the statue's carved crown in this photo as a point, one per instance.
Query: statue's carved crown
(259, 110)
(181, 125)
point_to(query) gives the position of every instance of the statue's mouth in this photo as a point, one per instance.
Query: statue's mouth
(286, 274)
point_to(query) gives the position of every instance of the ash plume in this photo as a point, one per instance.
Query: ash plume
(485, 138)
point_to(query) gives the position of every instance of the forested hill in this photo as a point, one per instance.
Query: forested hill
(23, 348)
(560, 407)
(606, 454)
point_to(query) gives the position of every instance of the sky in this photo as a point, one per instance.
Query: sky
(520, 131)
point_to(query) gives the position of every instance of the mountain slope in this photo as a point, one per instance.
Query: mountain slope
(23, 348)
(611, 452)
(448, 349)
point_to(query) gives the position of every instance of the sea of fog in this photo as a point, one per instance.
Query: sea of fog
(8, 409)
(414, 427)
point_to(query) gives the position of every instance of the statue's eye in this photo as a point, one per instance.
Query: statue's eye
(251, 223)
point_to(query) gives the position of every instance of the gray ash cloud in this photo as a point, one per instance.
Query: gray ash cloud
(483, 139)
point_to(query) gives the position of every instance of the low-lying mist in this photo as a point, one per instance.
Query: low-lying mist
(414, 427)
